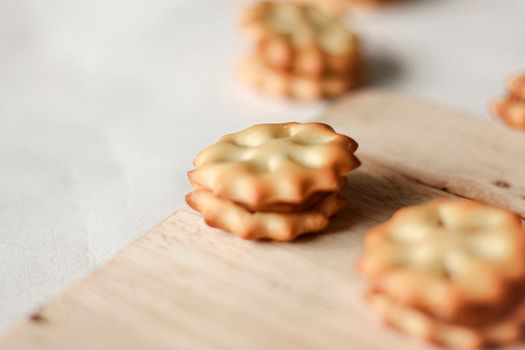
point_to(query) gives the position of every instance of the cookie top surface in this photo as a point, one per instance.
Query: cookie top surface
(275, 163)
(446, 254)
(301, 24)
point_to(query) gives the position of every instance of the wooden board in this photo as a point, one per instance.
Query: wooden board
(186, 286)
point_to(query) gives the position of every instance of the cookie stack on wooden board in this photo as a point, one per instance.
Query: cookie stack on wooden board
(511, 109)
(273, 181)
(302, 50)
(449, 271)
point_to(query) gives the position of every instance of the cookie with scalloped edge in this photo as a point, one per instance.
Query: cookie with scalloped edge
(458, 261)
(501, 331)
(282, 84)
(234, 218)
(301, 38)
(268, 164)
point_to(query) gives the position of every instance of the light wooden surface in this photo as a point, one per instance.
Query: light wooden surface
(436, 146)
(186, 286)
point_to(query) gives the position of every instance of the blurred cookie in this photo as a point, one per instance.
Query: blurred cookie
(309, 61)
(511, 109)
(300, 24)
(302, 50)
(497, 332)
(276, 83)
(273, 164)
(458, 261)
(232, 217)
(302, 39)
(516, 86)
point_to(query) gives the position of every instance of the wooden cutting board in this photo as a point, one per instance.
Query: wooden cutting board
(186, 286)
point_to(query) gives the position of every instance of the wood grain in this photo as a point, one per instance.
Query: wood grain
(184, 285)
(436, 146)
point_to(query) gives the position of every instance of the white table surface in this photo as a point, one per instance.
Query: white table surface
(103, 103)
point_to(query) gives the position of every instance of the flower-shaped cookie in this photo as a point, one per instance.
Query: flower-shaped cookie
(301, 38)
(452, 259)
(269, 164)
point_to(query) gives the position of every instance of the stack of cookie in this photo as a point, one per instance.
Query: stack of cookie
(273, 181)
(511, 109)
(451, 272)
(302, 50)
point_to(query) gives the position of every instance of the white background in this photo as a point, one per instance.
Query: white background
(103, 103)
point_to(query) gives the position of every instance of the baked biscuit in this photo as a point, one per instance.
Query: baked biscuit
(500, 331)
(310, 61)
(275, 83)
(307, 204)
(516, 86)
(511, 110)
(232, 217)
(269, 164)
(458, 261)
(300, 38)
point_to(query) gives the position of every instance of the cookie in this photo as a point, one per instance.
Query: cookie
(449, 258)
(269, 164)
(276, 83)
(300, 38)
(511, 110)
(516, 86)
(300, 23)
(309, 61)
(232, 217)
(497, 332)
(308, 203)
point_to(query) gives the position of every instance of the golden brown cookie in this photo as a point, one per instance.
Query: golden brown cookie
(308, 61)
(516, 86)
(276, 83)
(502, 331)
(511, 110)
(270, 164)
(301, 23)
(227, 215)
(449, 258)
(300, 38)
(307, 204)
